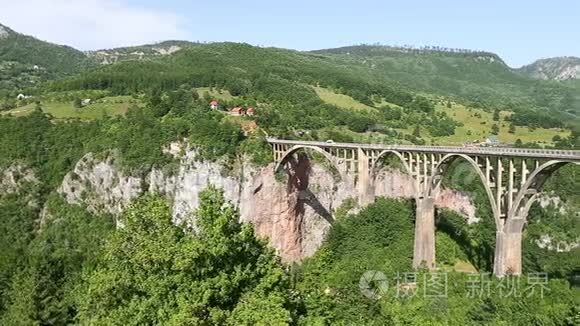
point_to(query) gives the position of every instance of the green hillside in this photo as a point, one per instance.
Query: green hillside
(366, 73)
(480, 77)
(25, 61)
(391, 91)
(340, 100)
(398, 93)
(106, 106)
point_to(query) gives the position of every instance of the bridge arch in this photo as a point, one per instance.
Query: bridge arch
(441, 170)
(531, 189)
(375, 168)
(288, 154)
(385, 153)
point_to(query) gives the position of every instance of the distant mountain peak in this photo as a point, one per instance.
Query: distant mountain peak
(557, 68)
(25, 60)
(5, 31)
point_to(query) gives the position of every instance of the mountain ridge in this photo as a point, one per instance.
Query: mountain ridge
(164, 47)
(5, 31)
(26, 61)
(360, 71)
(137, 52)
(554, 68)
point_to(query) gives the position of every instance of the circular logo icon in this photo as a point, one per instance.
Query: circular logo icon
(373, 284)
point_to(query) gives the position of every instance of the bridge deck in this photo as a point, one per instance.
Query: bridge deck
(491, 151)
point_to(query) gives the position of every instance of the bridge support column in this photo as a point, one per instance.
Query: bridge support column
(508, 249)
(365, 188)
(424, 248)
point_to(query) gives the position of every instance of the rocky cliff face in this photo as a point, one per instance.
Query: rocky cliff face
(142, 52)
(294, 214)
(562, 68)
(4, 31)
(15, 179)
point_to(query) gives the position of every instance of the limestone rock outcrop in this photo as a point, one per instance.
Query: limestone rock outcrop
(294, 214)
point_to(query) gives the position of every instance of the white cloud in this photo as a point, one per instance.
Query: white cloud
(91, 24)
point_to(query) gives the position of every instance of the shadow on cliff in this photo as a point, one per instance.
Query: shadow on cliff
(298, 181)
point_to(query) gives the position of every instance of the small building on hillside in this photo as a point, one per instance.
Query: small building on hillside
(237, 111)
(86, 101)
(214, 105)
(492, 141)
(250, 111)
(23, 97)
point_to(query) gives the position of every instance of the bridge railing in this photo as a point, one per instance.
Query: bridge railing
(529, 152)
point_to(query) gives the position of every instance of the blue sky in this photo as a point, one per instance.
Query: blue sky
(519, 31)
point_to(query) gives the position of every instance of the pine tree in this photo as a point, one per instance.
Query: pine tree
(496, 115)
(417, 131)
(77, 103)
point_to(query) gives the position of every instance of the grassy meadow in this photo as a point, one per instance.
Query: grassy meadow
(223, 95)
(112, 105)
(476, 123)
(477, 126)
(340, 100)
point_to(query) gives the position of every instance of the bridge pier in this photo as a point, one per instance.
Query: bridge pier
(424, 247)
(365, 186)
(508, 249)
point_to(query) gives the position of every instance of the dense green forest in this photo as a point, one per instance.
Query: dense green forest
(479, 76)
(281, 76)
(69, 266)
(61, 264)
(80, 269)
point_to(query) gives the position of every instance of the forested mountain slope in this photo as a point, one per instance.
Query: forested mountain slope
(481, 77)
(366, 73)
(26, 61)
(411, 83)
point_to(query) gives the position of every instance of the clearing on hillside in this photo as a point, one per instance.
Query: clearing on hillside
(113, 105)
(214, 93)
(477, 126)
(340, 100)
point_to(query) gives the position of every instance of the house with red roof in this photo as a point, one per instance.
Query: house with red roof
(214, 105)
(250, 111)
(237, 111)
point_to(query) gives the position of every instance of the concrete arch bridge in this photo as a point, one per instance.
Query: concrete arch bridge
(512, 177)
